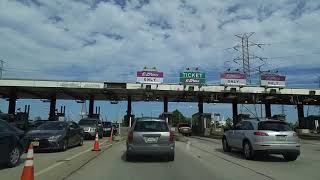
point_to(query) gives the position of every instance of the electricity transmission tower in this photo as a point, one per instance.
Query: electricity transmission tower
(318, 81)
(1, 68)
(246, 56)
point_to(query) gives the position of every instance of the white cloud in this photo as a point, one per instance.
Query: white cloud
(106, 42)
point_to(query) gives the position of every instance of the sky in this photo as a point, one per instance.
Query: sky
(109, 40)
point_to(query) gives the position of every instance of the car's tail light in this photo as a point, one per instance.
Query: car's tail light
(260, 134)
(171, 138)
(130, 137)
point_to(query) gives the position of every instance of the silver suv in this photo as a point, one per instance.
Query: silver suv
(262, 136)
(150, 137)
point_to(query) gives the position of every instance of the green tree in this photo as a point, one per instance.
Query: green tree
(294, 125)
(178, 117)
(229, 123)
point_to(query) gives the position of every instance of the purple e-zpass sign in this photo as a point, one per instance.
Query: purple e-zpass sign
(149, 77)
(273, 80)
(233, 78)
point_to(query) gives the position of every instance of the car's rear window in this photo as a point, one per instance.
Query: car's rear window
(183, 125)
(106, 124)
(84, 122)
(274, 126)
(151, 126)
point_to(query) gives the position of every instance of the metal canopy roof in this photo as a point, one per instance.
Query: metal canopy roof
(113, 91)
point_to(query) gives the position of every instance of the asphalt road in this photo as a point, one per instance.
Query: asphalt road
(55, 165)
(196, 159)
(202, 159)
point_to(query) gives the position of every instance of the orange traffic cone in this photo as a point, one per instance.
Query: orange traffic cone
(96, 146)
(111, 134)
(28, 171)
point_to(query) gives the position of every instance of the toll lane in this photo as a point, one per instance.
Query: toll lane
(188, 165)
(274, 166)
(45, 162)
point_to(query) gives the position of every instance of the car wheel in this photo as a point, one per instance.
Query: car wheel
(225, 145)
(81, 141)
(128, 157)
(14, 157)
(290, 156)
(64, 145)
(247, 150)
(171, 157)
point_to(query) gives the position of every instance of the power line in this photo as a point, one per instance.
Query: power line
(246, 56)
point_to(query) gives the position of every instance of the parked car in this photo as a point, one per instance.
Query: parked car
(37, 123)
(90, 127)
(56, 135)
(185, 129)
(262, 136)
(150, 137)
(12, 144)
(106, 128)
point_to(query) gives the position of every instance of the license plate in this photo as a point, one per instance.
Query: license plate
(35, 143)
(151, 139)
(281, 138)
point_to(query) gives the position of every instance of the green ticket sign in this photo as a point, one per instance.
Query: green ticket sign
(192, 78)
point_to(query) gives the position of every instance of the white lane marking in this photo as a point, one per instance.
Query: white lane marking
(68, 159)
(188, 145)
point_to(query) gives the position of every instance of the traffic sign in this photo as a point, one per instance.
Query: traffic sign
(192, 78)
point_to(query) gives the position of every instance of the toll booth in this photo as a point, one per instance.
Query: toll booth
(281, 117)
(167, 116)
(60, 115)
(201, 121)
(95, 115)
(126, 118)
(312, 122)
(7, 117)
(21, 119)
(240, 117)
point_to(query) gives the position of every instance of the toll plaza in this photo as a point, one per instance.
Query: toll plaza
(53, 90)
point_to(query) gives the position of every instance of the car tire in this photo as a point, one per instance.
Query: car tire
(128, 157)
(247, 150)
(64, 146)
(81, 142)
(225, 145)
(171, 157)
(290, 156)
(100, 135)
(14, 156)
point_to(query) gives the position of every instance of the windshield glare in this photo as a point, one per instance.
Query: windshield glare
(52, 126)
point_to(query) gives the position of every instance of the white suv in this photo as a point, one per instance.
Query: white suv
(254, 136)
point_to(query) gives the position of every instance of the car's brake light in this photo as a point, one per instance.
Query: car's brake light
(260, 134)
(171, 138)
(130, 137)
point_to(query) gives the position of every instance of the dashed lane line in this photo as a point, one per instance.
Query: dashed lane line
(68, 159)
(235, 163)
